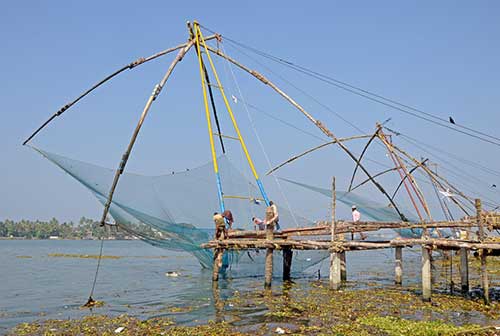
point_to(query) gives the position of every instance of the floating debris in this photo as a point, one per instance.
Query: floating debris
(172, 274)
(82, 256)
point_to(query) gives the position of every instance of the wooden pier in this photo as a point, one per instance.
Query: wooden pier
(330, 237)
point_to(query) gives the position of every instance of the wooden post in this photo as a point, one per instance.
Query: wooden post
(484, 277)
(399, 266)
(343, 266)
(479, 220)
(287, 263)
(426, 273)
(335, 270)
(464, 269)
(335, 257)
(482, 253)
(218, 253)
(269, 251)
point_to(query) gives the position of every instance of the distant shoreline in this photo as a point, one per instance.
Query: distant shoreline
(23, 238)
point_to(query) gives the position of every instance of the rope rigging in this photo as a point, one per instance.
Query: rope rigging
(391, 103)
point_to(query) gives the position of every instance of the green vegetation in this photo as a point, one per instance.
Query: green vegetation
(298, 310)
(85, 229)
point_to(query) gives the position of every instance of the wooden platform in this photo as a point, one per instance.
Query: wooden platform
(331, 237)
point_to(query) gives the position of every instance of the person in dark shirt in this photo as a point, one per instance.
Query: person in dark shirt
(228, 215)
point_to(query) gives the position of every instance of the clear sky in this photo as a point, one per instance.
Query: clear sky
(440, 56)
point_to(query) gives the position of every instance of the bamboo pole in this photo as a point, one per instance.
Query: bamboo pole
(298, 156)
(316, 122)
(129, 66)
(435, 177)
(361, 157)
(145, 111)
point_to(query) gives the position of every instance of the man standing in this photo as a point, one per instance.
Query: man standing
(356, 216)
(276, 215)
(220, 226)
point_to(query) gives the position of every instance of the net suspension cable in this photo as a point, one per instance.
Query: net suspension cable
(405, 108)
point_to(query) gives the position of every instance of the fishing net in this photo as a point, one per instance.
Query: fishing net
(174, 211)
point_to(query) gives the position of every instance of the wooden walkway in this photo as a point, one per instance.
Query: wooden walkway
(330, 237)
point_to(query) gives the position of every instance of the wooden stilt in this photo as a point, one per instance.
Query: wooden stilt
(269, 251)
(482, 253)
(426, 273)
(343, 267)
(269, 268)
(335, 270)
(287, 263)
(484, 278)
(464, 270)
(335, 257)
(399, 266)
(218, 253)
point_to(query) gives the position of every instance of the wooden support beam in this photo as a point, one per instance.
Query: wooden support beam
(287, 263)
(335, 270)
(343, 266)
(484, 278)
(399, 266)
(218, 253)
(464, 270)
(482, 253)
(269, 251)
(426, 273)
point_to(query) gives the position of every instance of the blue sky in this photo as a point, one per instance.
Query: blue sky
(441, 57)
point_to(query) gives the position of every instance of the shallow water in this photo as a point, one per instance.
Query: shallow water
(35, 285)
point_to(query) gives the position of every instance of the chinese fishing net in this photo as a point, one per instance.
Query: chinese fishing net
(174, 211)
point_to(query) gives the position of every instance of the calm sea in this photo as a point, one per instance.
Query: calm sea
(34, 285)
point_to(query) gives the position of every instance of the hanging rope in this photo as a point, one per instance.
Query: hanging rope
(391, 103)
(259, 140)
(91, 302)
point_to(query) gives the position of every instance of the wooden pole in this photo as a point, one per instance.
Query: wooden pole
(316, 122)
(335, 256)
(343, 266)
(335, 270)
(482, 253)
(131, 65)
(287, 263)
(464, 269)
(145, 111)
(298, 156)
(269, 251)
(426, 273)
(399, 266)
(217, 263)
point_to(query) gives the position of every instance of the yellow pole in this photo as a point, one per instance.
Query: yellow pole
(230, 111)
(209, 122)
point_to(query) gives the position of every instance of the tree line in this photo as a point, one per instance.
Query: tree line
(86, 228)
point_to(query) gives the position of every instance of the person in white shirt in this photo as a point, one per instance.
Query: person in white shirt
(356, 217)
(275, 210)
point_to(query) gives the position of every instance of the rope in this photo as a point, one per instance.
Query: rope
(391, 103)
(91, 301)
(259, 140)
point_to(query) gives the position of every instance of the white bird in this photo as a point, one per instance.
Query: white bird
(234, 99)
(447, 193)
